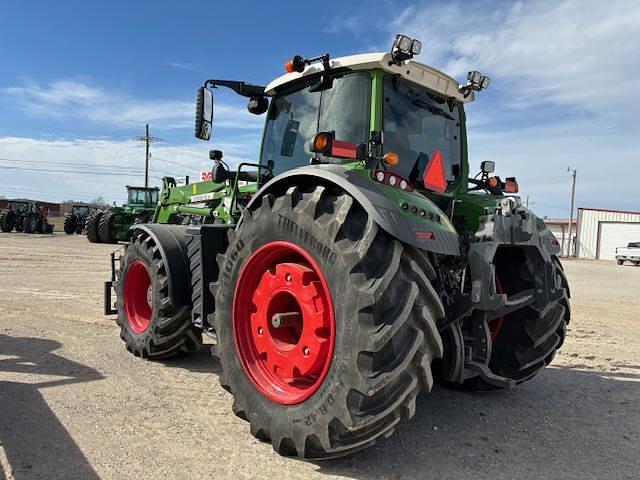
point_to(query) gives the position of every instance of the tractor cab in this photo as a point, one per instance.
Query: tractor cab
(400, 121)
(18, 207)
(142, 196)
(81, 210)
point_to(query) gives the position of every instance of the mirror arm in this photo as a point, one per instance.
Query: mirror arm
(241, 88)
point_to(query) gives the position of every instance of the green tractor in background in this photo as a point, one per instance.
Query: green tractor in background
(361, 263)
(113, 225)
(75, 220)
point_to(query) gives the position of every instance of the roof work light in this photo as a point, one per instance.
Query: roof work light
(475, 82)
(404, 48)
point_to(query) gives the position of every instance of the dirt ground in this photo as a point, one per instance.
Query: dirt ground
(74, 404)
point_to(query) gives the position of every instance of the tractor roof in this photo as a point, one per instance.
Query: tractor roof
(415, 72)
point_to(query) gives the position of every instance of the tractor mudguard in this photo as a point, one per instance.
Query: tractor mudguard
(510, 224)
(172, 242)
(381, 208)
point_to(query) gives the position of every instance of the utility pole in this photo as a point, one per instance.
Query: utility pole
(147, 139)
(572, 171)
(527, 203)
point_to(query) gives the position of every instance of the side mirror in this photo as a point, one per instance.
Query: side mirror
(204, 113)
(488, 167)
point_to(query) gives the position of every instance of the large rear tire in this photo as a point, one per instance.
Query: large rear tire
(359, 331)
(70, 224)
(105, 228)
(91, 226)
(527, 340)
(7, 220)
(152, 324)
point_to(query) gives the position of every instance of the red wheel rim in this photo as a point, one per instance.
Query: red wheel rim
(283, 322)
(138, 296)
(496, 325)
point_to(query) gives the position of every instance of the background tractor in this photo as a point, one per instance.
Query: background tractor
(361, 263)
(75, 219)
(25, 216)
(112, 225)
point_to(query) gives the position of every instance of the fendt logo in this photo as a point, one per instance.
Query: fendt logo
(205, 176)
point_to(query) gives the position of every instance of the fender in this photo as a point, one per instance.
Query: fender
(172, 242)
(380, 208)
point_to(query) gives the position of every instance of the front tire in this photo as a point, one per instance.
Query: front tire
(362, 296)
(30, 224)
(70, 224)
(152, 324)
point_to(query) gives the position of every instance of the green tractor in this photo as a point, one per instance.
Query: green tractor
(113, 225)
(25, 216)
(362, 261)
(74, 220)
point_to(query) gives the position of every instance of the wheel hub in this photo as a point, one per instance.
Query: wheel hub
(284, 322)
(138, 296)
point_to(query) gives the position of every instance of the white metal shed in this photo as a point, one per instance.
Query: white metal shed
(600, 231)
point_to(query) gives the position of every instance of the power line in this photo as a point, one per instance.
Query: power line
(72, 164)
(80, 172)
(49, 128)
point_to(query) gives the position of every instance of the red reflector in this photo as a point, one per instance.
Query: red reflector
(434, 177)
(511, 186)
(422, 235)
(343, 149)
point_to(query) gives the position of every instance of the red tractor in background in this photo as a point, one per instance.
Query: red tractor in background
(25, 216)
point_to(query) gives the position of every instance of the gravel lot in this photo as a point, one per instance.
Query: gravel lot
(74, 404)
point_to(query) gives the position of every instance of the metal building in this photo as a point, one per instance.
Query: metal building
(599, 232)
(560, 228)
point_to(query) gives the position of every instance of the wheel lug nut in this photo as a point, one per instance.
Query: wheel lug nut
(287, 277)
(260, 330)
(305, 351)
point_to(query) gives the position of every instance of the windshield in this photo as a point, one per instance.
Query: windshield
(19, 207)
(295, 118)
(416, 125)
(142, 197)
(80, 210)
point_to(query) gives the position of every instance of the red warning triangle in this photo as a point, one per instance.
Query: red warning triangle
(434, 177)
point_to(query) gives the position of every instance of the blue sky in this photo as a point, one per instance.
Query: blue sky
(79, 79)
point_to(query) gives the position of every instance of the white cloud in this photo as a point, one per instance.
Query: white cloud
(565, 76)
(62, 156)
(75, 99)
(184, 66)
(572, 53)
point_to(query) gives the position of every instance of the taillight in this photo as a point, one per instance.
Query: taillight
(390, 179)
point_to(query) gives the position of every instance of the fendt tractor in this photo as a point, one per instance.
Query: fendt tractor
(363, 264)
(25, 216)
(74, 220)
(113, 225)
